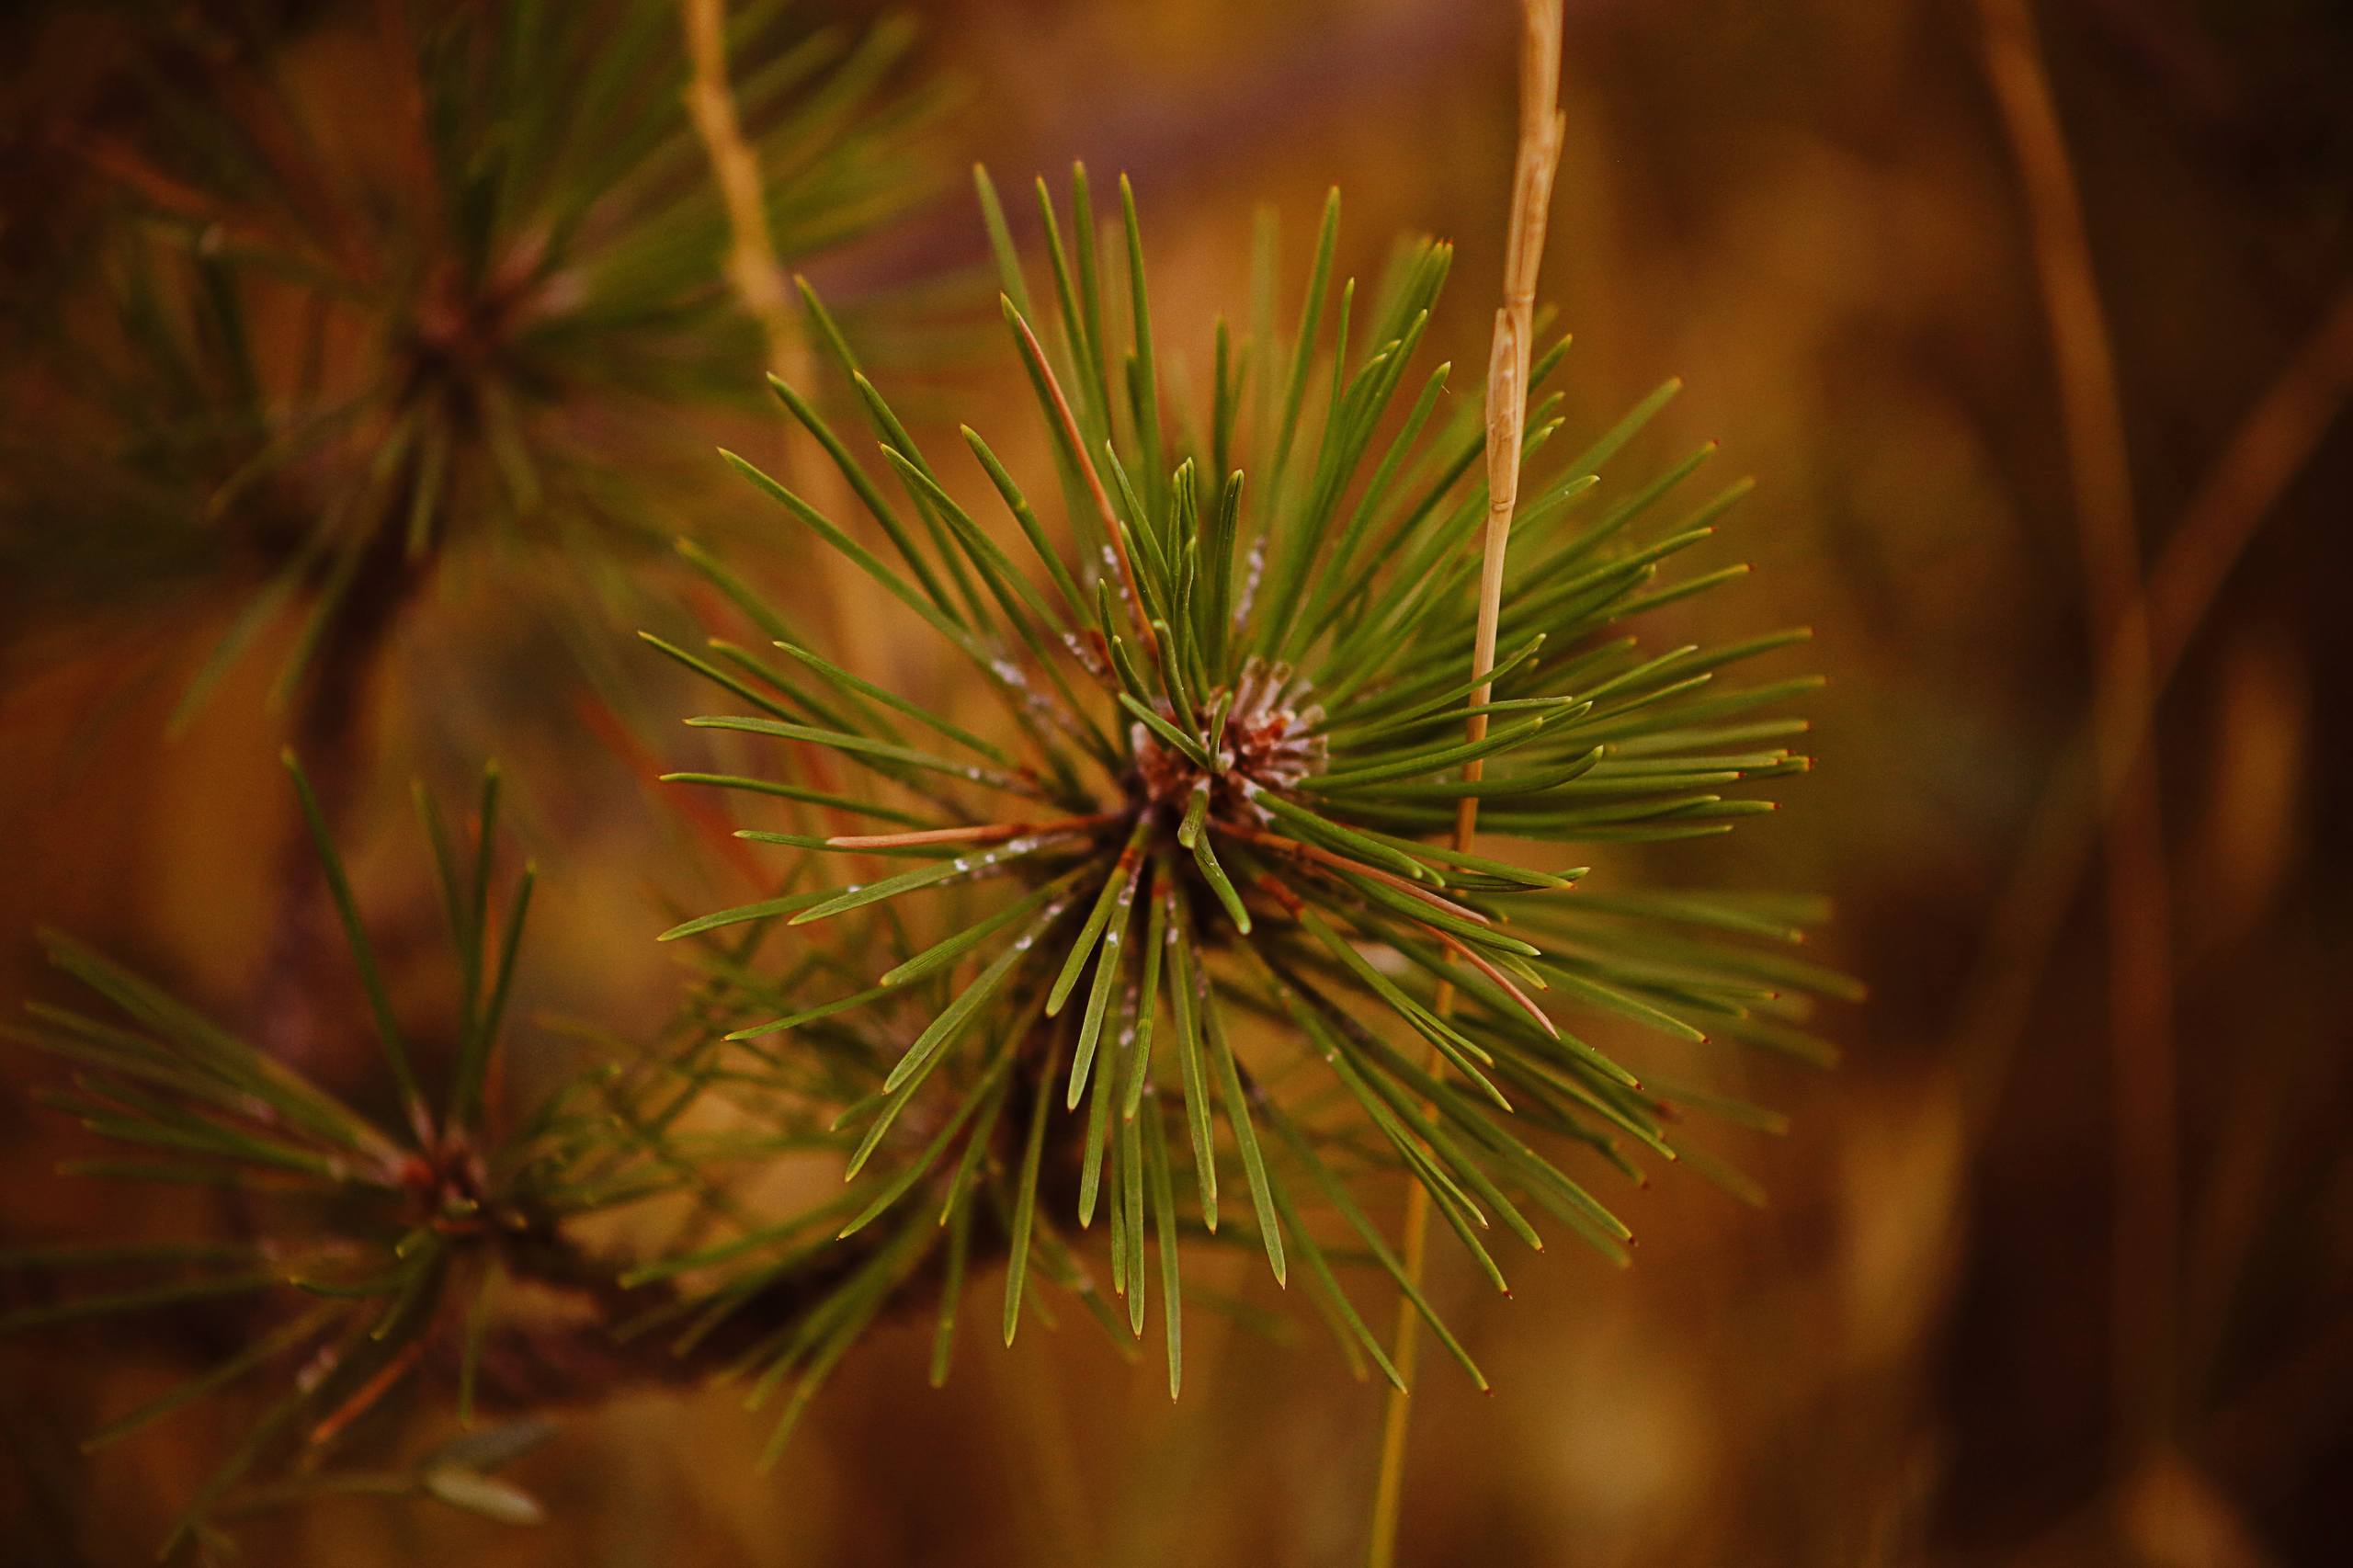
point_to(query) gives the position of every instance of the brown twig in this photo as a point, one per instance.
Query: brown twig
(1538, 158)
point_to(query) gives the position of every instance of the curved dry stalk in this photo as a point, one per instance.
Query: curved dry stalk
(752, 265)
(756, 273)
(1534, 165)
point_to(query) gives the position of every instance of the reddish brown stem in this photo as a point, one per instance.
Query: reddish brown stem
(983, 833)
(1322, 856)
(1128, 583)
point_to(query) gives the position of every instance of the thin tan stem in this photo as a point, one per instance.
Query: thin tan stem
(1537, 159)
(752, 265)
(2144, 1072)
(755, 271)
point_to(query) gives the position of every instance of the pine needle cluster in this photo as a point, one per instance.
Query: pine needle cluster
(360, 1228)
(1234, 702)
(1176, 941)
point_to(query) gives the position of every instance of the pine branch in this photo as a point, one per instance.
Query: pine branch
(1187, 942)
(404, 1233)
(1287, 733)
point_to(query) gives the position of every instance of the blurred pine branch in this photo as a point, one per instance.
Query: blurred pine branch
(1191, 935)
(1195, 1007)
(440, 279)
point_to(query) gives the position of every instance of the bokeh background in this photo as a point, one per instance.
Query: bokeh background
(1814, 212)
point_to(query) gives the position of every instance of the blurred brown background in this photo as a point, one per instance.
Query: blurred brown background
(1813, 212)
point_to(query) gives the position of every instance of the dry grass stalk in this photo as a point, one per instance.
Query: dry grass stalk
(1539, 157)
(756, 273)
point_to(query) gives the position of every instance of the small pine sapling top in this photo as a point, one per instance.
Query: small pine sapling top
(1177, 943)
(1233, 703)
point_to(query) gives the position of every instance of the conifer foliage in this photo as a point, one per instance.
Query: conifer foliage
(443, 275)
(1172, 945)
(1234, 685)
